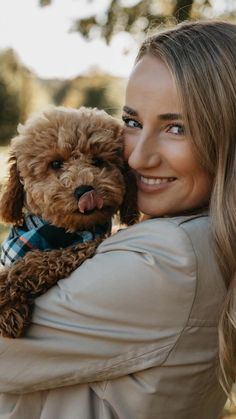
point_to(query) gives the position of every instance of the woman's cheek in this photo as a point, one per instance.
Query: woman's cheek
(127, 146)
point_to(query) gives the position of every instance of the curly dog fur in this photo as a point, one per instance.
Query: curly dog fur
(54, 154)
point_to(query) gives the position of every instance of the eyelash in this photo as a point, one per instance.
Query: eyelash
(127, 120)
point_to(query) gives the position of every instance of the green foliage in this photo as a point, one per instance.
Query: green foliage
(9, 111)
(133, 19)
(44, 2)
(61, 92)
(94, 90)
(137, 19)
(9, 97)
(22, 93)
(142, 17)
(95, 97)
(182, 10)
(15, 94)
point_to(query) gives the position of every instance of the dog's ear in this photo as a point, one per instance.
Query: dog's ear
(129, 213)
(12, 199)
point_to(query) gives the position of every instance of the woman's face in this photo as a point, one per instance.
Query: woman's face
(170, 179)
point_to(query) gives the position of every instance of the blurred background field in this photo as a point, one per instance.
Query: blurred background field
(3, 164)
(79, 52)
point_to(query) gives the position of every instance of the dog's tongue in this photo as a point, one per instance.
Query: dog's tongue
(89, 201)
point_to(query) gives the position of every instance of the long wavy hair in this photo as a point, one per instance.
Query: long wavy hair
(201, 57)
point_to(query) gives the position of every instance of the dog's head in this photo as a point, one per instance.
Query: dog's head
(67, 166)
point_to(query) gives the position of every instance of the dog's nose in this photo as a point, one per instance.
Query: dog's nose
(81, 190)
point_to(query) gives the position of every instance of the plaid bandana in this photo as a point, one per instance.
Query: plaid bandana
(36, 233)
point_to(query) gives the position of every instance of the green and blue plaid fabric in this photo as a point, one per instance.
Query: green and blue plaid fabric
(35, 233)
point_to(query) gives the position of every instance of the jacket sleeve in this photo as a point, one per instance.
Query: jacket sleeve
(122, 311)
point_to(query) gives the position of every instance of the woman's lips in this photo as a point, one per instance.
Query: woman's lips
(149, 184)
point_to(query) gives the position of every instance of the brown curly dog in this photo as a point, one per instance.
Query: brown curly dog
(67, 169)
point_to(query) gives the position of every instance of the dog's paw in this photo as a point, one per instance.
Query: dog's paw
(14, 320)
(23, 277)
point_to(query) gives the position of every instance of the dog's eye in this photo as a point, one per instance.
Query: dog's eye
(97, 161)
(56, 164)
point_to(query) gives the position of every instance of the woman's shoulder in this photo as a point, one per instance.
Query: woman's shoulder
(182, 232)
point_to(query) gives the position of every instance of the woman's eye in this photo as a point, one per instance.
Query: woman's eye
(56, 164)
(176, 129)
(131, 123)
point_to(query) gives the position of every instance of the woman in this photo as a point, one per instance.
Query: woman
(133, 333)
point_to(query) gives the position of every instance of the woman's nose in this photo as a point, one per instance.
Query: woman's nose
(144, 154)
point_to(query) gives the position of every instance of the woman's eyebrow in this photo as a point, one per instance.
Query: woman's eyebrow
(130, 111)
(163, 117)
(170, 116)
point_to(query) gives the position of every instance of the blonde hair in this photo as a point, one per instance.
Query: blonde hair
(202, 59)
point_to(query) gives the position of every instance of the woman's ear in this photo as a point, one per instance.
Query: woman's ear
(12, 199)
(129, 213)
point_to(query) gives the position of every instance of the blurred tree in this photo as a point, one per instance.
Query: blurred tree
(44, 2)
(182, 10)
(93, 90)
(61, 92)
(15, 94)
(138, 18)
(95, 97)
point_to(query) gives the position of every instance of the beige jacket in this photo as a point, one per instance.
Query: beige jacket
(132, 334)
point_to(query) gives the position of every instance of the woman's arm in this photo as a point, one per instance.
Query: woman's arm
(121, 311)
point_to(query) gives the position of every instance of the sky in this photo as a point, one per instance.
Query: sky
(42, 40)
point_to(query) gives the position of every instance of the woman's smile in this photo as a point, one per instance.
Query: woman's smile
(151, 184)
